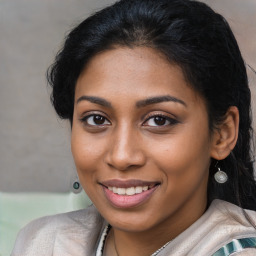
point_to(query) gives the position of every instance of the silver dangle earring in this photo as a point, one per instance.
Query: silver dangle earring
(220, 176)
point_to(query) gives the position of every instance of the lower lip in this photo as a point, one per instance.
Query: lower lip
(124, 201)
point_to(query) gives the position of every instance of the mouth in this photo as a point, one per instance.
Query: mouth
(125, 194)
(131, 190)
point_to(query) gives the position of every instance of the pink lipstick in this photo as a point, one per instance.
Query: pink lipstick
(128, 193)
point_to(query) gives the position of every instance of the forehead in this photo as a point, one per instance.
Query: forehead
(141, 70)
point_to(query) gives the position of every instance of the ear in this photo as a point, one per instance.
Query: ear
(225, 135)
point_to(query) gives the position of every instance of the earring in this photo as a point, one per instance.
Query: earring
(76, 186)
(220, 176)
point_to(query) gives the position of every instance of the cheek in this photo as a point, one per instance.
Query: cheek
(185, 155)
(184, 169)
(85, 156)
(86, 152)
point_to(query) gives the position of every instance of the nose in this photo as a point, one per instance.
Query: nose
(125, 150)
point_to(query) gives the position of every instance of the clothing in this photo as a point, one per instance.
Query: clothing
(78, 233)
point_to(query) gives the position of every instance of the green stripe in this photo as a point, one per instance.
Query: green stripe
(236, 245)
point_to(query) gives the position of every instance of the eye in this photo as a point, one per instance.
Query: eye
(95, 120)
(159, 120)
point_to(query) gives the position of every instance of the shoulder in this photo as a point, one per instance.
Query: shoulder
(228, 218)
(228, 228)
(222, 224)
(48, 235)
(237, 224)
(232, 212)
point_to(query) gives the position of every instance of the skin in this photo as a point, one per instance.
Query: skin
(130, 144)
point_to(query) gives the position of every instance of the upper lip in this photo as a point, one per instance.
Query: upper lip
(128, 183)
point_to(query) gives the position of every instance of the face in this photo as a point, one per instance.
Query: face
(140, 140)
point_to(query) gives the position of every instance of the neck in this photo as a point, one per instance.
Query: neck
(134, 244)
(145, 243)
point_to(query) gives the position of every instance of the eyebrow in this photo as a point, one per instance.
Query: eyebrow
(159, 99)
(96, 100)
(139, 104)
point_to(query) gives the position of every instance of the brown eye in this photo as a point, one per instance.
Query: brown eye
(96, 120)
(159, 120)
(99, 120)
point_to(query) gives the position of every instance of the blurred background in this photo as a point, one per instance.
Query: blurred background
(35, 152)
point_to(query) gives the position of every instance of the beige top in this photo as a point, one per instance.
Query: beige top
(78, 233)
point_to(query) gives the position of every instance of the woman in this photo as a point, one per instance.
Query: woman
(158, 100)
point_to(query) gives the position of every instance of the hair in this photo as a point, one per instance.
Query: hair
(191, 35)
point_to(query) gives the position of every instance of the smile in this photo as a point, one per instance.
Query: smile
(129, 191)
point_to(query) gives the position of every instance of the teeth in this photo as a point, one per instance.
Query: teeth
(128, 191)
(145, 188)
(121, 191)
(138, 190)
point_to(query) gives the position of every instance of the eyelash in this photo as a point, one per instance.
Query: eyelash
(164, 118)
(86, 118)
(171, 121)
